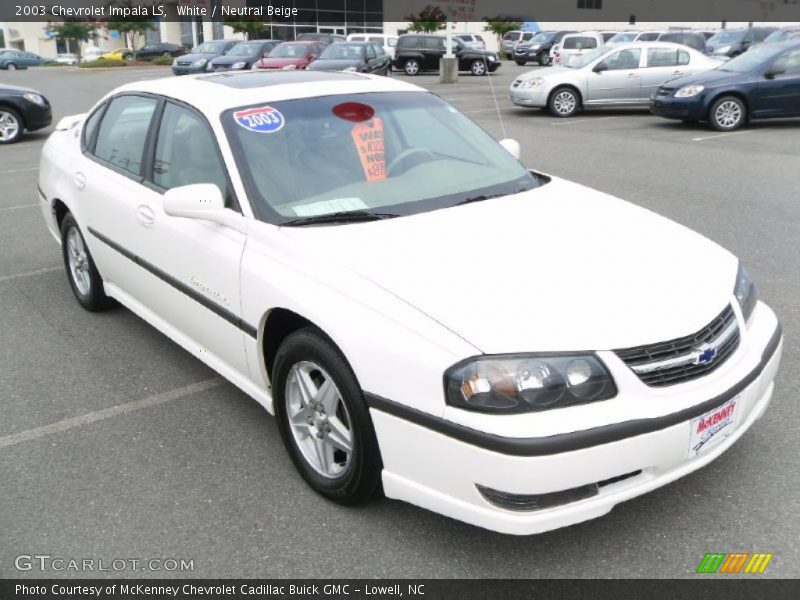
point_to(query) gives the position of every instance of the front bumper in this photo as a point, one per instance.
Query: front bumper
(446, 462)
(536, 96)
(670, 107)
(37, 117)
(187, 70)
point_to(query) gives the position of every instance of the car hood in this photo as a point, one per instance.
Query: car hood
(197, 56)
(229, 60)
(277, 63)
(711, 78)
(334, 64)
(561, 267)
(16, 90)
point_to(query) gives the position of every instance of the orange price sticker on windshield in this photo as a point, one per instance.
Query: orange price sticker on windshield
(368, 138)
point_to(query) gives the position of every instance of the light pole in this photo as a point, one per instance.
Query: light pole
(448, 66)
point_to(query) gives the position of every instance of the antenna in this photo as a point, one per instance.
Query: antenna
(494, 97)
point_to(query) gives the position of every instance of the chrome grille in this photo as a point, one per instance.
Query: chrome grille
(686, 358)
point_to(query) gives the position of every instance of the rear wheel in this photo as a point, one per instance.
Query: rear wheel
(727, 114)
(564, 102)
(323, 419)
(411, 67)
(85, 281)
(478, 67)
(544, 58)
(11, 125)
(11, 67)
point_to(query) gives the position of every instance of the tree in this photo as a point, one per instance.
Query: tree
(73, 31)
(252, 28)
(501, 27)
(429, 19)
(131, 28)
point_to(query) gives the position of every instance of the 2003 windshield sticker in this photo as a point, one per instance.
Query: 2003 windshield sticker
(368, 138)
(263, 119)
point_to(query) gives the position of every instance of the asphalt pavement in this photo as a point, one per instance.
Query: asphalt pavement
(115, 443)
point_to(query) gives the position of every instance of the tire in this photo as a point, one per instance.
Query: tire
(85, 281)
(411, 67)
(544, 58)
(521, 63)
(315, 442)
(479, 68)
(11, 67)
(564, 102)
(11, 125)
(166, 54)
(728, 113)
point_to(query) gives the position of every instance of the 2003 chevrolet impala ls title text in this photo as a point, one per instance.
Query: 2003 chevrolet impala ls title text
(423, 315)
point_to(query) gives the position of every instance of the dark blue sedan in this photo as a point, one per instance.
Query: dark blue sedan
(760, 84)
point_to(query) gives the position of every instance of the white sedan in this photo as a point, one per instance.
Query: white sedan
(425, 317)
(612, 76)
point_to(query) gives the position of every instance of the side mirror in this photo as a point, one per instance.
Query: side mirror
(772, 73)
(600, 67)
(512, 147)
(202, 201)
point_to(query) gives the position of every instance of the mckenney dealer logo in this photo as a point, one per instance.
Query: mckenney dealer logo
(732, 563)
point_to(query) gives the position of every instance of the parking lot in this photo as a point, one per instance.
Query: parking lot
(115, 443)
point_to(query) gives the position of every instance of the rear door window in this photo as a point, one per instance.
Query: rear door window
(122, 136)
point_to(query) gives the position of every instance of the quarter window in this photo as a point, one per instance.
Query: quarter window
(123, 133)
(91, 126)
(186, 152)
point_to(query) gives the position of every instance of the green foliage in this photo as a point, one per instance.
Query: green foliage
(501, 27)
(102, 63)
(428, 20)
(162, 60)
(74, 30)
(252, 28)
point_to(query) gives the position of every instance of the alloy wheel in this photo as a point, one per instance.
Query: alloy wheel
(478, 67)
(412, 67)
(78, 262)
(9, 126)
(565, 102)
(319, 420)
(728, 114)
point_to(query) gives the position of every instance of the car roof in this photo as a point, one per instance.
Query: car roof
(213, 93)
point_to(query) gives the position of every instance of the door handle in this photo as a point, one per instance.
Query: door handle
(145, 215)
(80, 180)
(677, 72)
(633, 74)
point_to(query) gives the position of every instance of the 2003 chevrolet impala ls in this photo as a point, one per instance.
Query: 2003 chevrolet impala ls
(424, 316)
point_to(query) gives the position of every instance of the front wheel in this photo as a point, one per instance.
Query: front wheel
(564, 102)
(324, 420)
(478, 67)
(11, 125)
(521, 63)
(85, 281)
(11, 67)
(727, 114)
(411, 67)
(544, 59)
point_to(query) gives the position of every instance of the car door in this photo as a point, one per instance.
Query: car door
(369, 57)
(616, 79)
(434, 51)
(186, 271)
(778, 92)
(660, 65)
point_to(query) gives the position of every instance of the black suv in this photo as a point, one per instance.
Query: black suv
(419, 52)
(538, 48)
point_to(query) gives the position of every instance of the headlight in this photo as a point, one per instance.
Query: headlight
(36, 99)
(536, 46)
(527, 382)
(350, 69)
(238, 65)
(722, 50)
(210, 67)
(529, 83)
(198, 63)
(289, 68)
(745, 292)
(689, 91)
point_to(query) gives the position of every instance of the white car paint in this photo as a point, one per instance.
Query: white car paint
(611, 87)
(558, 268)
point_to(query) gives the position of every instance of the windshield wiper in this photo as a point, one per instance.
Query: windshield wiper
(350, 216)
(483, 197)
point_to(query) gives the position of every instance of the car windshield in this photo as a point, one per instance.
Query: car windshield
(780, 35)
(578, 62)
(541, 37)
(512, 35)
(621, 38)
(244, 49)
(752, 59)
(289, 51)
(726, 37)
(343, 52)
(209, 48)
(388, 153)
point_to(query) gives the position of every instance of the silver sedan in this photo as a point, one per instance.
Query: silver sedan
(622, 75)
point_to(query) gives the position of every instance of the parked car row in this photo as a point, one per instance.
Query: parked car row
(673, 80)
